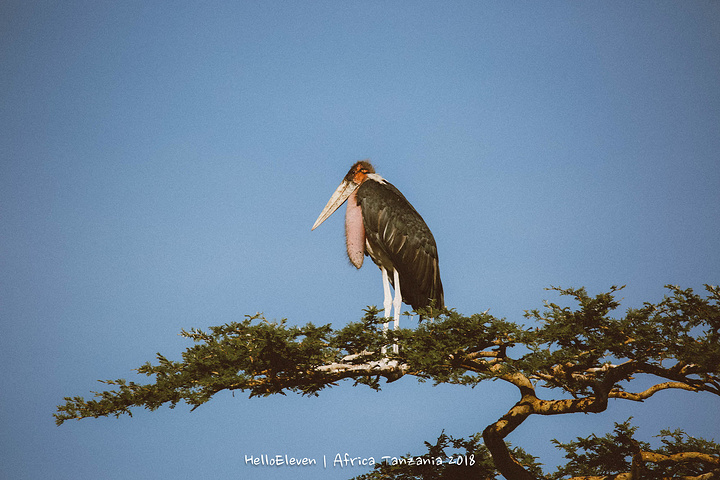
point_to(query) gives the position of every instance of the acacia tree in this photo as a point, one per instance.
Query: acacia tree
(582, 355)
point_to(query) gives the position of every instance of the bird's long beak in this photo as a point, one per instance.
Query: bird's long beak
(345, 189)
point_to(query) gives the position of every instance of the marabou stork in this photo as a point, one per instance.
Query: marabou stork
(381, 223)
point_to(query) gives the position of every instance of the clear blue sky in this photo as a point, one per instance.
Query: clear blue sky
(161, 164)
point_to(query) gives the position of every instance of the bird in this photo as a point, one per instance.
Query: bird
(382, 224)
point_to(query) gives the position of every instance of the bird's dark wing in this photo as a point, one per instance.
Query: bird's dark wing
(397, 232)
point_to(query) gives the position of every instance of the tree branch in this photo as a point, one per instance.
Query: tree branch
(641, 396)
(681, 457)
(390, 369)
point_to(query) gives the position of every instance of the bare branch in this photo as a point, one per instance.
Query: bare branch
(639, 397)
(681, 457)
(503, 459)
(680, 373)
(390, 369)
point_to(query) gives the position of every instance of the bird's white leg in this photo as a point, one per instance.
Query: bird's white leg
(397, 304)
(386, 301)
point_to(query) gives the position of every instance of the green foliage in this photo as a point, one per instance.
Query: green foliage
(678, 442)
(606, 455)
(613, 453)
(447, 459)
(437, 349)
(682, 328)
(583, 351)
(255, 355)
(266, 358)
